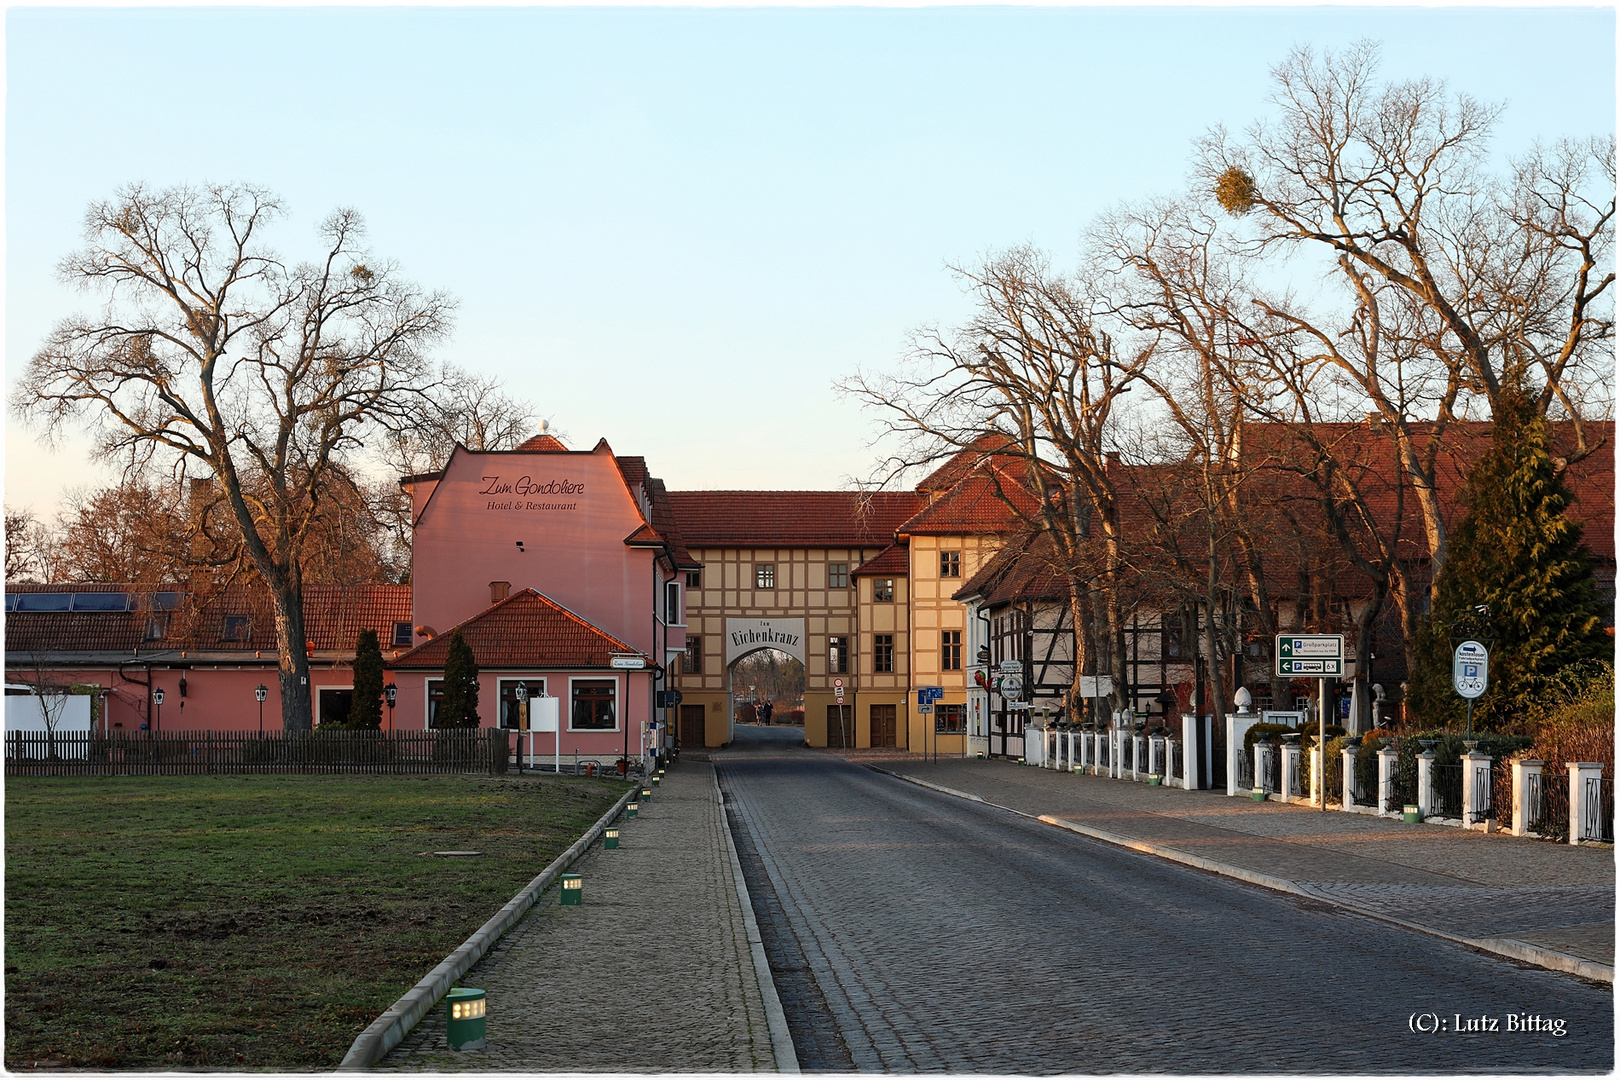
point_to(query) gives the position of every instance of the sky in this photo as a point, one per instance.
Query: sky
(676, 228)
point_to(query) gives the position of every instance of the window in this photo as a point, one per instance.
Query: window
(672, 603)
(157, 627)
(511, 715)
(950, 719)
(838, 575)
(694, 579)
(883, 590)
(593, 705)
(950, 650)
(882, 652)
(334, 703)
(236, 628)
(402, 635)
(950, 564)
(435, 698)
(694, 655)
(838, 655)
(764, 575)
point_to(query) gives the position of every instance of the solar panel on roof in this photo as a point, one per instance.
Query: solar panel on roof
(101, 601)
(44, 601)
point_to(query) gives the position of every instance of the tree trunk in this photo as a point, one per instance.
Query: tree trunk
(297, 713)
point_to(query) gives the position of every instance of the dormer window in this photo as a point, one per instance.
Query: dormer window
(402, 635)
(236, 628)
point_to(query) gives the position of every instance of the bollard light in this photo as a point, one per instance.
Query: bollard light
(610, 839)
(655, 780)
(630, 811)
(464, 1018)
(573, 889)
(646, 794)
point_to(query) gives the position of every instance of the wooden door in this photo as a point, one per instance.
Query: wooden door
(883, 726)
(691, 733)
(840, 726)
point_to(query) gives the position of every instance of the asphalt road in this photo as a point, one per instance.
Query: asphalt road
(909, 931)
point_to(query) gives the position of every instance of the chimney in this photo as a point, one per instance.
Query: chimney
(499, 590)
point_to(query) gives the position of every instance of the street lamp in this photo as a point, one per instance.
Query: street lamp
(389, 693)
(261, 692)
(521, 692)
(157, 716)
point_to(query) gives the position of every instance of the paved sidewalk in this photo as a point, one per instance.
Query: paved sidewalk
(1532, 899)
(652, 973)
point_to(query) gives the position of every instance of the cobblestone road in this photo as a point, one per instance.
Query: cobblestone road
(910, 931)
(1453, 880)
(652, 973)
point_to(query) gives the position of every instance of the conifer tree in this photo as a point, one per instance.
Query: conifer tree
(459, 709)
(365, 714)
(1516, 570)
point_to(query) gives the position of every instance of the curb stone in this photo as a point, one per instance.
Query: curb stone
(787, 1058)
(386, 1032)
(1506, 947)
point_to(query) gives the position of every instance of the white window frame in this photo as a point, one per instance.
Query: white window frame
(323, 687)
(618, 702)
(502, 682)
(673, 615)
(427, 701)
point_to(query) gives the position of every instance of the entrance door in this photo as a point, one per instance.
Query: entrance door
(840, 727)
(1007, 733)
(691, 733)
(883, 726)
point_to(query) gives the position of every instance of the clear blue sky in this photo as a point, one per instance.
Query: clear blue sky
(676, 227)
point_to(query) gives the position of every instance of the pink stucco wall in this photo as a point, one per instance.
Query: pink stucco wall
(572, 513)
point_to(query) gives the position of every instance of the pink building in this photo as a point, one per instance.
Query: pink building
(561, 569)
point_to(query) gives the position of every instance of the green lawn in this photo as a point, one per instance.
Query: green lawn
(251, 921)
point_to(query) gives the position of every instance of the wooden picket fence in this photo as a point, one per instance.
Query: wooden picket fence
(175, 753)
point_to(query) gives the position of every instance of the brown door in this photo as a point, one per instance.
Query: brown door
(840, 726)
(691, 734)
(883, 725)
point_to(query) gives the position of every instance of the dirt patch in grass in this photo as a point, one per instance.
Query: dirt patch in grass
(251, 921)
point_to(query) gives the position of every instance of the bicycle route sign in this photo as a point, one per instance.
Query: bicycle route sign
(1470, 669)
(1318, 656)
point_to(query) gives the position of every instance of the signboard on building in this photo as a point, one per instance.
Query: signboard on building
(744, 636)
(1470, 669)
(629, 663)
(1316, 656)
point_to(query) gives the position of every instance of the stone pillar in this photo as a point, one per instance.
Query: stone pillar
(1526, 794)
(1476, 789)
(1237, 726)
(1290, 768)
(1425, 796)
(1388, 762)
(1348, 776)
(1584, 811)
(1169, 760)
(1191, 749)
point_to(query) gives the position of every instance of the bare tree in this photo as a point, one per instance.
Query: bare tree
(1032, 367)
(1499, 280)
(213, 355)
(30, 547)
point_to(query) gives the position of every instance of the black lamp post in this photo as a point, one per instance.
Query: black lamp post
(389, 693)
(157, 714)
(261, 692)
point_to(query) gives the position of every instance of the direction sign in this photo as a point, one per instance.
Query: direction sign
(1470, 669)
(925, 707)
(1316, 655)
(1012, 665)
(930, 693)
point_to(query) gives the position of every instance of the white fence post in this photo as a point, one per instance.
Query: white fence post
(1584, 811)
(1169, 760)
(1526, 794)
(1388, 763)
(1348, 776)
(1425, 764)
(1476, 789)
(1237, 726)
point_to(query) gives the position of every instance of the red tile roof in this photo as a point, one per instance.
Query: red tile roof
(975, 505)
(728, 519)
(526, 630)
(1026, 569)
(542, 444)
(981, 452)
(892, 561)
(333, 617)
